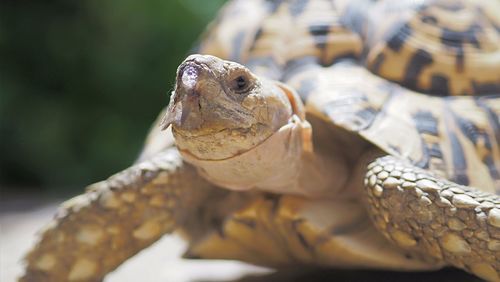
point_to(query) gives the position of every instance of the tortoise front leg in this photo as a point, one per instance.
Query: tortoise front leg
(95, 232)
(435, 217)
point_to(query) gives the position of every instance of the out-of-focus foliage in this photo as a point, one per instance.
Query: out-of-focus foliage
(81, 82)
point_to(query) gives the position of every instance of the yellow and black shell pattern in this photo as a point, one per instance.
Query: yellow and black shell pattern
(419, 79)
(455, 137)
(437, 47)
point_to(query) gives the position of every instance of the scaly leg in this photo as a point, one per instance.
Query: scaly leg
(435, 217)
(95, 232)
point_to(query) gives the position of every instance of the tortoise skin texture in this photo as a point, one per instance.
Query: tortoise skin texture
(341, 57)
(454, 229)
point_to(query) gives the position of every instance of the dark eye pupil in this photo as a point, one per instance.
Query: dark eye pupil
(241, 82)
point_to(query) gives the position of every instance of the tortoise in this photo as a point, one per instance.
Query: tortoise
(342, 134)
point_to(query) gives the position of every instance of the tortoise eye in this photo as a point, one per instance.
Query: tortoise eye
(240, 84)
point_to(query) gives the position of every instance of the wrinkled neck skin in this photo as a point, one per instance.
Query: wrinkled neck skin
(283, 163)
(256, 140)
(278, 159)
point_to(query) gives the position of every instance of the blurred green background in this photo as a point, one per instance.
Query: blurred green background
(81, 82)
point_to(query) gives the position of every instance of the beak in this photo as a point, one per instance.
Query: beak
(186, 96)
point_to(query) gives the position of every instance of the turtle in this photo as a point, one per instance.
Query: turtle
(341, 134)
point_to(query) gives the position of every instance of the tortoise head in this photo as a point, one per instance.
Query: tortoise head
(241, 131)
(220, 108)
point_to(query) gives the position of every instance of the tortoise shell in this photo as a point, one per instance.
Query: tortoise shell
(376, 67)
(436, 47)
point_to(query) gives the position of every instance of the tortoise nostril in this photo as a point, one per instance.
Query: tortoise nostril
(189, 76)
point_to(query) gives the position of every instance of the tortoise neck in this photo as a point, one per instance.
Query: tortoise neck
(340, 158)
